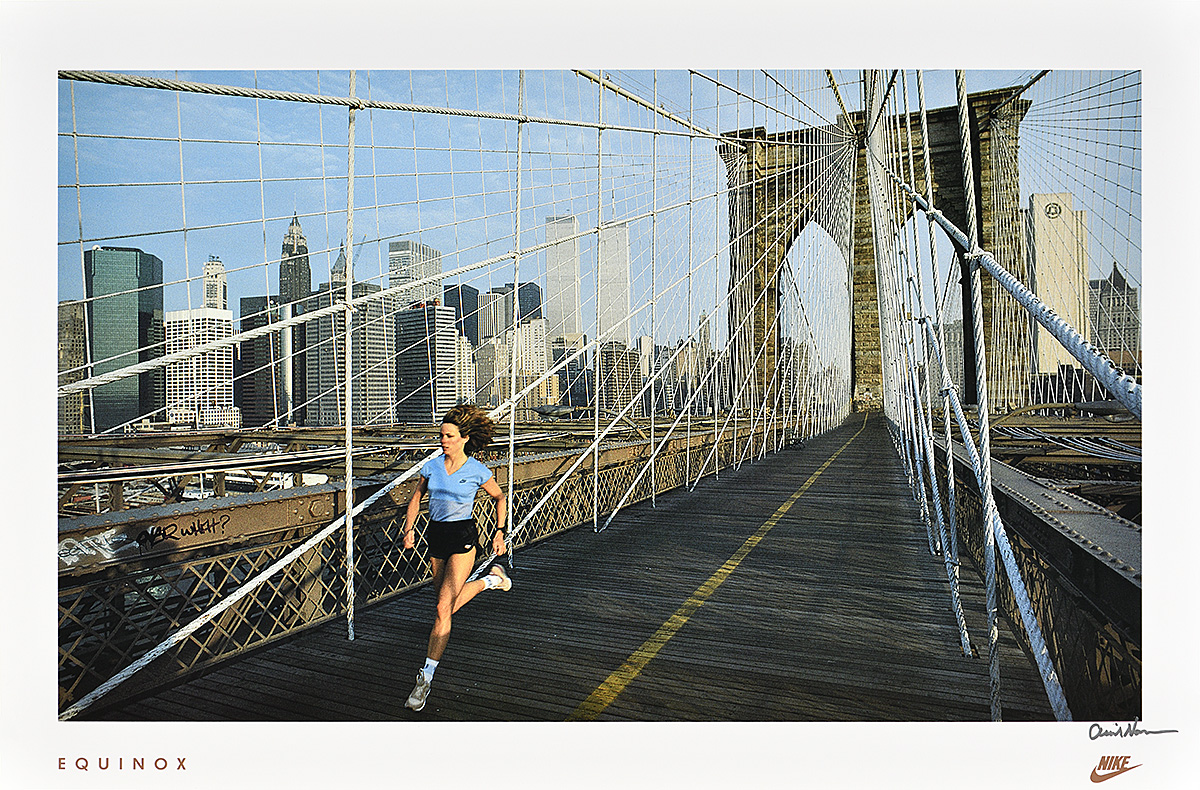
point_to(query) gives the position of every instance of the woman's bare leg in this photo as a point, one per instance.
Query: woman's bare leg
(454, 573)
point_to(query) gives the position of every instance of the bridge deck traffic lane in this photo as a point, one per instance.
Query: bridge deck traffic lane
(839, 612)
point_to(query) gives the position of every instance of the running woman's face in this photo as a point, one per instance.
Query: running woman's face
(453, 442)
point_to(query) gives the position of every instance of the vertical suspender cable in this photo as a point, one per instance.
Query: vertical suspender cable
(718, 376)
(348, 356)
(926, 427)
(951, 518)
(653, 294)
(87, 303)
(596, 278)
(512, 391)
(262, 208)
(982, 394)
(694, 357)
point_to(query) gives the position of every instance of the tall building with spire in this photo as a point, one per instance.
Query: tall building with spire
(295, 276)
(295, 288)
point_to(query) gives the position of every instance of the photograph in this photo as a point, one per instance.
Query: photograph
(745, 421)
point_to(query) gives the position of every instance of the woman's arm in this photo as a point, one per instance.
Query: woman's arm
(493, 490)
(414, 508)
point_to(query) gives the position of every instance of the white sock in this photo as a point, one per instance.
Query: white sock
(491, 581)
(429, 668)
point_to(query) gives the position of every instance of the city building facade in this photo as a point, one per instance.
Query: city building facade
(612, 312)
(1116, 320)
(216, 290)
(72, 366)
(575, 375)
(427, 343)
(562, 309)
(295, 287)
(465, 301)
(410, 261)
(372, 367)
(464, 370)
(620, 381)
(260, 378)
(1057, 245)
(124, 312)
(200, 388)
(491, 316)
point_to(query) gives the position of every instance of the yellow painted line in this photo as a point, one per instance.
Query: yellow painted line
(608, 691)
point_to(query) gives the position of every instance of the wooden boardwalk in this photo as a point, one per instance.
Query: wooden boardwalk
(837, 613)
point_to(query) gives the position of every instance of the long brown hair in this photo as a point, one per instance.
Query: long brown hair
(472, 423)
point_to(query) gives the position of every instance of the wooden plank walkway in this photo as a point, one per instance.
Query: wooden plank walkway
(838, 613)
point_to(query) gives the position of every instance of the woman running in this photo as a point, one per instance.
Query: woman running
(452, 480)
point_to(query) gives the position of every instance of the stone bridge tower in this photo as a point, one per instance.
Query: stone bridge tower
(775, 190)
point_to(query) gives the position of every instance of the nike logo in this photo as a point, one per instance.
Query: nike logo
(1099, 777)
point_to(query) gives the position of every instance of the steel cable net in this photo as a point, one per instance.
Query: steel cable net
(644, 274)
(1035, 230)
(1066, 207)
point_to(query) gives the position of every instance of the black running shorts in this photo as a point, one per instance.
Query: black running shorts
(451, 537)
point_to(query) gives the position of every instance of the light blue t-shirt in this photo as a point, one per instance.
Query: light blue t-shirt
(452, 497)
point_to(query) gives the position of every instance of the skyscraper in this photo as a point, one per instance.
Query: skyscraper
(491, 315)
(216, 292)
(1116, 320)
(491, 365)
(125, 326)
(613, 271)
(530, 301)
(562, 305)
(295, 277)
(529, 344)
(620, 379)
(372, 366)
(1058, 263)
(200, 388)
(573, 377)
(465, 301)
(258, 389)
(427, 345)
(72, 357)
(409, 261)
(295, 286)
(464, 370)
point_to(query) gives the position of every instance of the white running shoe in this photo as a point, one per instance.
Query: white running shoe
(505, 582)
(420, 692)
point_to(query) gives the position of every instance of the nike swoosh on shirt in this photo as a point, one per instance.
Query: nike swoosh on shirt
(1098, 777)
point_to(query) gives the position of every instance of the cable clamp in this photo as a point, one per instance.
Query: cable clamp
(974, 256)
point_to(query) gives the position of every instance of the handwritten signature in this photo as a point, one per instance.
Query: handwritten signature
(1122, 731)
